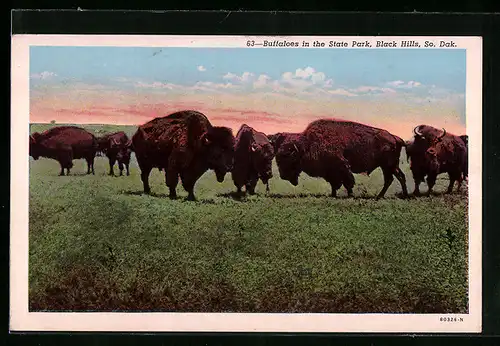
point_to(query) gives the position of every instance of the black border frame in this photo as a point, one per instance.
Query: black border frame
(293, 23)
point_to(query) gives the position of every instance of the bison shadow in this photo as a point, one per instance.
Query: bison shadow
(74, 174)
(243, 197)
(142, 193)
(443, 193)
(234, 195)
(166, 196)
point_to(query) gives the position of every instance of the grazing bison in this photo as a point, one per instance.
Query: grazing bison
(253, 157)
(185, 145)
(278, 138)
(334, 150)
(432, 152)
(64, 144)
(117, 147)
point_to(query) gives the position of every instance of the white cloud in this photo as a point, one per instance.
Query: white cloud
(405, 85)
(396, 83)
(244, 78)
(201, 68)
(212, 86)
(305, 79)
(341, 92)
(43, 75)
(374, 90)
(156, 85)
(262, 81)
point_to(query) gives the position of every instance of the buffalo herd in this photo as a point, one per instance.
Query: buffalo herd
(185, 145)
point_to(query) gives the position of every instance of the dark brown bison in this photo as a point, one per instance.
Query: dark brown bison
(185, 145)
(334, 150)
(117, 147)
(64, 144)
(278, 138)
(253, 157)
(432, 152)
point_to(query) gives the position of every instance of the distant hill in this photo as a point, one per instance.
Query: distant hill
(96, 129)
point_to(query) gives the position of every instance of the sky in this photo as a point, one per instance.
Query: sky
(278, 89)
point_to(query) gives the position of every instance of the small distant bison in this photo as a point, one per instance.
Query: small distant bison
(117, 147)
(253, 157)
(433, 151)
(64, 144)
(334, 150)
(185, 145)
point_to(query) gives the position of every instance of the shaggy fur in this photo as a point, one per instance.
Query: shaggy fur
(278, 138)
(334, 150)
(253, 156)
(117, 147)
(64, 144)
(185, 145)
(430, 154)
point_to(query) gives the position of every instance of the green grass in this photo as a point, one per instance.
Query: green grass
(98, 243)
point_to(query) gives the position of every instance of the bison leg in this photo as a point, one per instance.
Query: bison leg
(431, 181)
(335, 186)
(128, 171)
(145, 170)
(348, 182)
(188, 184)
(459, 182)
(111, 164)
(398, 173)
(455, 176)
(171, 180)
(250, 186)
(239, 192)
(418, 179)
(62, 169)
(120, 167)
(90, 165)
(388, 179)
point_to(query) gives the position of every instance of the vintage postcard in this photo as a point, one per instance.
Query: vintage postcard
(234, 183)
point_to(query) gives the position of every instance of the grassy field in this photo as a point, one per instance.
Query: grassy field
(98, 243)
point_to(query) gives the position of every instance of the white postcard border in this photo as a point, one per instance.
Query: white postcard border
(23, 320)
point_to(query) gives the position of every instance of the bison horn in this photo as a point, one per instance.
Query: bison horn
(254, 148)
(416, 132)
(204, 138)
(295, 146)
(444, 133)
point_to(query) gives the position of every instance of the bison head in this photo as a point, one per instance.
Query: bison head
(219, 150)
(124, 151)
(262, 158)
(425, 137)
(422, 149)
(102, 144)
(428, 134)
(288, 159)
(35, 146)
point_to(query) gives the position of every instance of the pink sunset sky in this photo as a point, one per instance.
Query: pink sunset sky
(284, 99)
